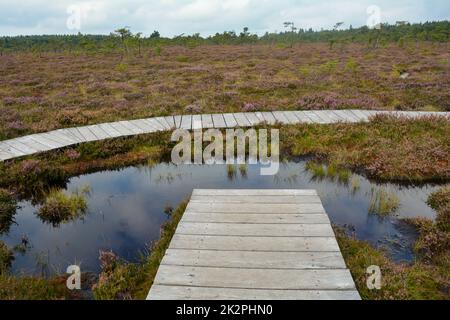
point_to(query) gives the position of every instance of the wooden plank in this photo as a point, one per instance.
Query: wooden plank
(219, 121)
(87, 134)
(59, 138)
(345, 116)
(281, 244)
(207, 121)
(186, 122)
(124, 131)
(109, 129)
(256, 208)
(155, 124)
(98, 132)
(256, 199)
(290, 116)
(23, 148)
(177, 120)
(76, 134)
(254, 259)
(69, 134)
(6, 155)
(255, 230)
(33, 144)
(230, 120)
(147, 125)
(254, 192)
(197, 122)
(303, 118)
(171, 121)
(328, 116)
(314, 117)
(8, 148)
(163, 122)
(306, 279)
(127, 128)
(280, 117)
(192, 216)
(162, 292)
(359, 115)
(252, 118)
(241, 120)
(269, 118)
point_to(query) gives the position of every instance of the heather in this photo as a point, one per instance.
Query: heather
(62, 89)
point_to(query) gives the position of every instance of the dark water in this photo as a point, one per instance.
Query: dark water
(126, 211)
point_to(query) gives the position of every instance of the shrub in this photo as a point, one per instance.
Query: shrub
(60, 207)
(383, 203)
(6, 258)
(182, 59)
(8, 207)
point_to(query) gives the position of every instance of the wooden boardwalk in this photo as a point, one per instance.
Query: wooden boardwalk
(253, 245)
(41, 142)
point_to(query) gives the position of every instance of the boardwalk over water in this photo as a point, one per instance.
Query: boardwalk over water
(253, 245)
(42, 142)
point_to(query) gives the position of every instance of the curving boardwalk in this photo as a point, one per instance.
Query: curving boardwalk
(253, 245)
(41, 142)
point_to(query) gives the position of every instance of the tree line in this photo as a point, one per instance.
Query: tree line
(124, 39)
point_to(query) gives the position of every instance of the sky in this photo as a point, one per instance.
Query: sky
(174, 17)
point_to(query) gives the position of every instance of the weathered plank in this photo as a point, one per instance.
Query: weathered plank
(303, 118)
(197, 122)
(280, 117)
(256, 230)
(254, 259)
(305, 279)
(286, 208)
(241, 120)
(171, 121)
(161, 292)
(252, 118)
(290, 116)
(192, 216)
(253, 192)
(256, 199)
(186, 122)
(219, 121)
(269, 118)
(230, 120)
(207, 121)
(282, 244)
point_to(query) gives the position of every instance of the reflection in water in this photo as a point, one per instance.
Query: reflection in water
(126, 209)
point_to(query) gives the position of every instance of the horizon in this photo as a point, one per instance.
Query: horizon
(206, 17)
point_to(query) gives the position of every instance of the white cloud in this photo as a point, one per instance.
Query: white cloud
(173, 17)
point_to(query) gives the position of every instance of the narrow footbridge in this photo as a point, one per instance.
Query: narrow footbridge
(254, 245)
(42, 142)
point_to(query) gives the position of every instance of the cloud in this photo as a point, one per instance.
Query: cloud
(172, 17)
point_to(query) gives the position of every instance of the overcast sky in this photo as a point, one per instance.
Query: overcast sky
(173, 17)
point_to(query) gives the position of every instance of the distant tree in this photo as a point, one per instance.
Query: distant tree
(338, 25)
(155, 35)
(123, 34)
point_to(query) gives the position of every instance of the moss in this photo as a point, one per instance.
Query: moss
(132, 281)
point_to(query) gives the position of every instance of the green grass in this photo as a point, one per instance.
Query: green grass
(60, 207)
(383, 203)
(32, 288)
